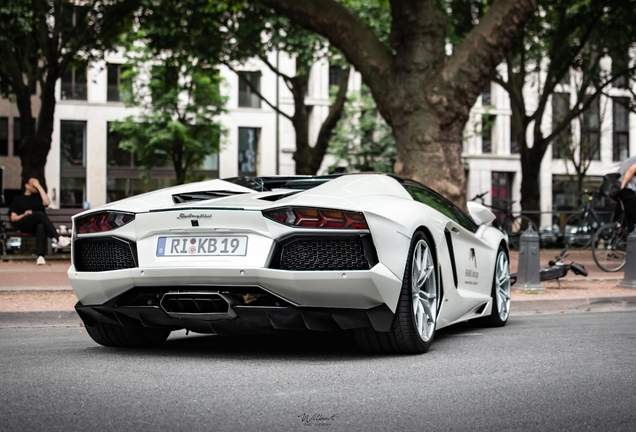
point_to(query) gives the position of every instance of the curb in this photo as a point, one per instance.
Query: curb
(574, 304)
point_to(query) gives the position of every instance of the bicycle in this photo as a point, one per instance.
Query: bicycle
(579, 228)
(507, 222)
(609, 244)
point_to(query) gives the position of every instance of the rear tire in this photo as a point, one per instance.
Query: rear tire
(413, 327)
(500, 292)
(129, 337)
(609, 247)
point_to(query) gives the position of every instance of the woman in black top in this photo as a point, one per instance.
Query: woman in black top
(28, 212)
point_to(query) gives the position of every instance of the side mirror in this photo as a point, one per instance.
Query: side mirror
(480, 214)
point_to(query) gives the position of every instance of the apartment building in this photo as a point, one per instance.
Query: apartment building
(491, 155)
(85, 167)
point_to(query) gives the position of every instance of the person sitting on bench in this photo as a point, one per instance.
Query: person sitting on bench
(28, 212)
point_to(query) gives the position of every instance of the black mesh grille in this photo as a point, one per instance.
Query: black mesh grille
(105, 255)
(324, 254)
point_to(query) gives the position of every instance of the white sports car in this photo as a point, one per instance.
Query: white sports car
(385, 259)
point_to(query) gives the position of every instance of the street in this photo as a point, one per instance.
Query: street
(566, 372)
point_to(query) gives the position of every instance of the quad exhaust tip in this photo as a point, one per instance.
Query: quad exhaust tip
(207, 306)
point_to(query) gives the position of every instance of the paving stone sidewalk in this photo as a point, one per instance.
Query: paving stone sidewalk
(25, 287)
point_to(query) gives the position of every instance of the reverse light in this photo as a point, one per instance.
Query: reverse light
(307, 217)
(102, 221)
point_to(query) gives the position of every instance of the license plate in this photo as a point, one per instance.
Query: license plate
(202, 246)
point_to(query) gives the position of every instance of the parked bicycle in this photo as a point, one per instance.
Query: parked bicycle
(507, 222)
(609, 243)
(579, 228)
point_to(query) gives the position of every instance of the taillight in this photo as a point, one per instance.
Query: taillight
(308, 217)
(103, 221)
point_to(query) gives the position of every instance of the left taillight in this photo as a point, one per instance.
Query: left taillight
(308, 217)
(102, 221)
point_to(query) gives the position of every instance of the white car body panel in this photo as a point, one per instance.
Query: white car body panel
(393, 216)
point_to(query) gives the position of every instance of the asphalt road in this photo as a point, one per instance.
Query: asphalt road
(568, 372)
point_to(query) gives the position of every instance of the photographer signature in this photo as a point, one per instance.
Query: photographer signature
(318, 419)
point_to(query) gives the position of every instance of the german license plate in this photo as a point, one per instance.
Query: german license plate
(202, 246)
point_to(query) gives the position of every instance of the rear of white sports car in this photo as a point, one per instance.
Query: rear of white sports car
(220, 258)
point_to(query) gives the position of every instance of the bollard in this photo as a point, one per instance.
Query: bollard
(629, 280)
(528, 278)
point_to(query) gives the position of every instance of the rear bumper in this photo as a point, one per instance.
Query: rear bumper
(360, 289)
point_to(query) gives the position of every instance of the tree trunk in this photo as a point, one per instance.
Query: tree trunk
(531, 169)
(300, 121)
(423, 94)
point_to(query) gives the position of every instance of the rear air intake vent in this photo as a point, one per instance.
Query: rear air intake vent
(323, 254)
(104, 254)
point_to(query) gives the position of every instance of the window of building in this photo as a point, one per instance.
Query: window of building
(4, 136)
(211, 162)
(487, 127)
(486, 94)
(620, 66)
(72, 163)
(500, 190)
(621, 129)
(591, 133)
(114, 82)
(560, 110)
(249, 85)
(118, 157)
(248, 151)
(74, 84)
(335, 74)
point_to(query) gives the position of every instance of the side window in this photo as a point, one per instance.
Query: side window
(442, 205)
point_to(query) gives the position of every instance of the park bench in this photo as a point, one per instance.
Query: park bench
(61, 219)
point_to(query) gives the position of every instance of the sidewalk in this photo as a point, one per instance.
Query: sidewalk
(25, 287)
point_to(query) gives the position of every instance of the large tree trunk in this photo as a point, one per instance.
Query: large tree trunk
(35, 152)
(423, 94)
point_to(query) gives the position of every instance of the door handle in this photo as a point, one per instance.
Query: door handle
(454, 230)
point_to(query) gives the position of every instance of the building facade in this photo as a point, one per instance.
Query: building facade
(86, 168)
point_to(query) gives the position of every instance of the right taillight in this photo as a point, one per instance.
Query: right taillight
(308, 217)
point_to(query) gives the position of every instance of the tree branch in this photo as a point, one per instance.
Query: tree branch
(345, 31)
(249, 84)
(484, 47)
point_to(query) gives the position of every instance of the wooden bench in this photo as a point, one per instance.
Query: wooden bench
(61, 219)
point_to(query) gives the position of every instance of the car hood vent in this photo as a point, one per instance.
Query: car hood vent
(187, 197)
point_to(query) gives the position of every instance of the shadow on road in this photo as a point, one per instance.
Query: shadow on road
(336, 346)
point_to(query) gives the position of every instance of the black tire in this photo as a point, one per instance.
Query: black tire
(517, 227)
(609, 247)
(409, 334)
(126, 337)
(577, 232)
(500, 292)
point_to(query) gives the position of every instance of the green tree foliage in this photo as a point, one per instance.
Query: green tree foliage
(39, 41)
(564, 50)
(174, 82)
(257, 31)
(362, 140)
(423, 92)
